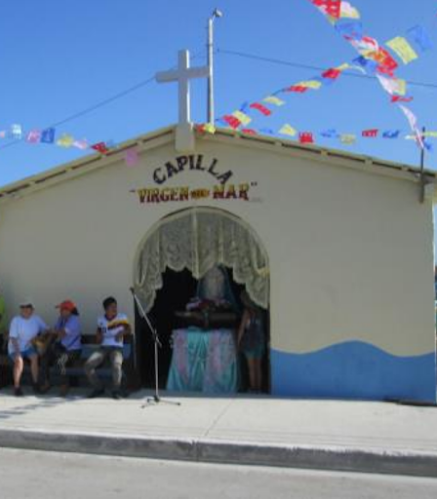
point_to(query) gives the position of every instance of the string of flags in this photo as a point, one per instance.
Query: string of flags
(267, 105)
(51, 136)
(374, 57)
(348, 139)
(373, 60)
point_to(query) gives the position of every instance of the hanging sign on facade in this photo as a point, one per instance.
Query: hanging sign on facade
(155, 195)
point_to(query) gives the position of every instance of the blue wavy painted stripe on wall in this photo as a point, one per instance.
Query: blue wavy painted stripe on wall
(354, 370)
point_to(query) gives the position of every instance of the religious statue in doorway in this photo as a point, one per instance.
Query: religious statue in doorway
(214, 304)
(215, 287)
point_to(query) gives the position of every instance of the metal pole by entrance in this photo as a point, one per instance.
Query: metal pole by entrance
(156, 399)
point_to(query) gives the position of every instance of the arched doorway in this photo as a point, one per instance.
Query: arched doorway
(174, 255)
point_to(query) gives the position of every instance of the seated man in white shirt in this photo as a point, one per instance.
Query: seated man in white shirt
(23, 330)
(111, 329)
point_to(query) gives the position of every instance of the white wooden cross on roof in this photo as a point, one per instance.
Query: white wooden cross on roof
(183, 74)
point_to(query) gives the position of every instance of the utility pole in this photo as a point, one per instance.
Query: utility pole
(210, 62)
(422, 167)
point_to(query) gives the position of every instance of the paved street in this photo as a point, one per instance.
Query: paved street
(42, 475)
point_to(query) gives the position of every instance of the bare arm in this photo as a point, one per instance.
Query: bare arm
(126, 331)
(243, 323)
(15, 346)
(60, 333)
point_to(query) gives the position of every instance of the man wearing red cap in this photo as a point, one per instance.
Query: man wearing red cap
(67, 346)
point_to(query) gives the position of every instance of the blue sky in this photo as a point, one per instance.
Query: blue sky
(59, 58)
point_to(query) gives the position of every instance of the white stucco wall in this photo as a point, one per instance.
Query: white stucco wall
(351, 252)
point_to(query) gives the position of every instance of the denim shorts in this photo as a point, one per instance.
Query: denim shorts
(25, 353)
(255, 353)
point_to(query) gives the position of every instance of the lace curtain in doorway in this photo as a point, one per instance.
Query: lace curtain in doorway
(198, 240)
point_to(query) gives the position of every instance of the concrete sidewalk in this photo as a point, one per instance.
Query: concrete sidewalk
(336, 435)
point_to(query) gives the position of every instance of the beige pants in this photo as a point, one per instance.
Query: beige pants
(97, 358)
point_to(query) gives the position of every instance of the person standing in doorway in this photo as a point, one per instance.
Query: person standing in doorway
(23, 330)
(112, 327)
(251, 341)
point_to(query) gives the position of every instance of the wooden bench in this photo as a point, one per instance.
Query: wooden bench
(76, 370)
